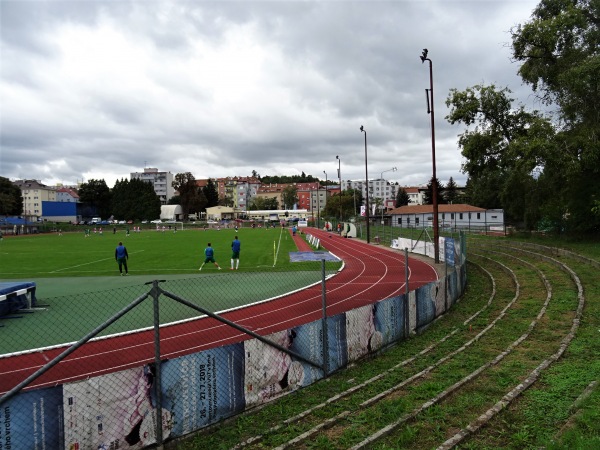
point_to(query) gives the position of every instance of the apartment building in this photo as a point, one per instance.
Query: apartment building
(34, 193)
(161, 181)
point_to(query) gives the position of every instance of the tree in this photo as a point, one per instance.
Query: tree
(332, 207)
(503, 142)
(11, 201)
(559, 51)
(211, 194)
(451, 194)
(289, 196)
(191, 197)
(402, 198)
(264, 203)
(134, 199)
(96, 194)
(428, 195)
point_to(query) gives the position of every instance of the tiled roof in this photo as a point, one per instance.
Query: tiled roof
(424, 209)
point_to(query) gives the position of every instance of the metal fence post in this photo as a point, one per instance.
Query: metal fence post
(406, 302)
(324, 320)
(155, 293)
(445, 279)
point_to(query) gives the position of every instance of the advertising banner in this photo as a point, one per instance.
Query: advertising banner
(203, 388)
(32, 420)
(113, 411)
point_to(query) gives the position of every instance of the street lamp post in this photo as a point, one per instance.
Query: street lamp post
(367, 190)
(340, 178)
(430, 110)
(325, 192)
(393, 169)
(318, 206)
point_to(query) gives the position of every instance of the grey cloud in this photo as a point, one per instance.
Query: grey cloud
(334, 66)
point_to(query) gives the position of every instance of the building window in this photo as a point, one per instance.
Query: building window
(451, 216)
(478, 216)
(416, 221)
(460, 216)
(400, 221)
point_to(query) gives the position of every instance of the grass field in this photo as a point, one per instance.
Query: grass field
(78, 278)
(150, 252)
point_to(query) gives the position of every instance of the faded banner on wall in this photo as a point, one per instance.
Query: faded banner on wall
(32, 420)
(202, 388)
(113, 411)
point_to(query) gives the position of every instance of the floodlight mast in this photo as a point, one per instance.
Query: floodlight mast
(430, 110)
(325, 194)
(367, 187)
(340, 179)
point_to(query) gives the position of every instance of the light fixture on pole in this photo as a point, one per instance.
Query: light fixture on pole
(367, 189)
(393, 169)
(340, 178)
(430, 110)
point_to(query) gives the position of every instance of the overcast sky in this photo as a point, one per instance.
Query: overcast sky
(100, 89)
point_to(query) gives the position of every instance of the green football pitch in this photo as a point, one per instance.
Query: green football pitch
(78, 280)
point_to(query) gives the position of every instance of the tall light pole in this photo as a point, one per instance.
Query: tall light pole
(318, 205)
(430, 110)
(367, 179)
(325, 191)
(340, 178)
(393, 169)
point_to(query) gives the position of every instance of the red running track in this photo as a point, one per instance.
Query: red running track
(371, 273)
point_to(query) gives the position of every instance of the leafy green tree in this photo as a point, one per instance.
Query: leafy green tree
(134, 199)
(11, 201)
(402, 198)
(191, 197)
(286, 179)
(264, 203)
(289, 196)
(483, 191)
(558, 47)
(504, 142)
(175, 200)
(96, 194)
(211, 194)
(332, 207)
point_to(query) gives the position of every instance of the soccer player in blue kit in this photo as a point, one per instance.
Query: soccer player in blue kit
(209, 256)
(236, 245)
(121, 257)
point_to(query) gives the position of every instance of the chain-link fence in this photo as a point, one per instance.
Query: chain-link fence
(111, 372)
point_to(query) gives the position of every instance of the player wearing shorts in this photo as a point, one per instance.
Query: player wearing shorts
(209, 256)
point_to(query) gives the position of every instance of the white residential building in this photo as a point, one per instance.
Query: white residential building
(162, 182)
(378, 189)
